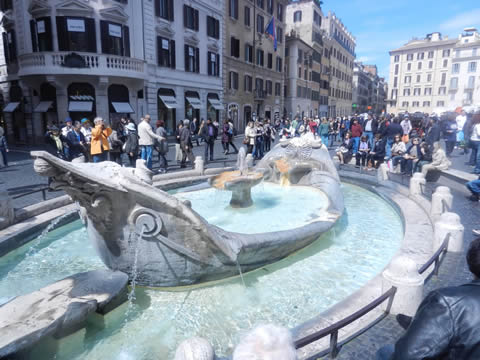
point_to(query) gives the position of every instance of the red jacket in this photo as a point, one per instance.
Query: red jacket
(357, 130)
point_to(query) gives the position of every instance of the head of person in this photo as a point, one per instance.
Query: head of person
(378, 136)
(147, 118)
(209, 121)
(324, 121)
(473, 258)
(398, 138)
(54, 130)
(355, 121)
(348, 135)
(250, 124)
(266, 342)
(186, 122)
(436, 146)
(68, 122)
(160, 123)
(363, 139)
(77, 125)
(130, 127)
(416, 141)
(195, 120)
(85, 122)
(98, 121)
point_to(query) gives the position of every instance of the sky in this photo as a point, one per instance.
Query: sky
(383, 25)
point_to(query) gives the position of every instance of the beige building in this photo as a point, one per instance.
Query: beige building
(306, 72)
(253, 69)
(341, 44)
(419, 76)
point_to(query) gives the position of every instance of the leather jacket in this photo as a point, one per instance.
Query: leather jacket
(446, 326)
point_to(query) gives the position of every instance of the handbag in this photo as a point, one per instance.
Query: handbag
(246, 141)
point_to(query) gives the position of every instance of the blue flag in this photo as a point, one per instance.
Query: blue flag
(272, 32)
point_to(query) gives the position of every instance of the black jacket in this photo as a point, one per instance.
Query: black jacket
(206, 136)
(185, 137)
(446, 326)
(433, 134)
(379, 148)
(76, 147)
(392, 130)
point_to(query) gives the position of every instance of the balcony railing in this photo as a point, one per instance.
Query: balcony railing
(259, 94)
(85, 63)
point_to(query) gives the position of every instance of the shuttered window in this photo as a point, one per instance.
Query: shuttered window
(213, 27)
(190, 17)
(41, 33)
(164, 9)
(76, 34)
(192, 59)
(115, 38)
(9, 46)
(213, 64)
(166, 52)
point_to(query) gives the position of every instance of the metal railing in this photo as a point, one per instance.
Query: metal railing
(436, 257)
(42, 190)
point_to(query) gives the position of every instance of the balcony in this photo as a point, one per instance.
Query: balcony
(259, 94)
(67, 63)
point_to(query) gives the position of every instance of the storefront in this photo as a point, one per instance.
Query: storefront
(192, 105)
(119, 103)
(167, 104)
(247, 117)
(214, 106)
(81, 101)
(233, 113)
(47, 107)
(15, 109)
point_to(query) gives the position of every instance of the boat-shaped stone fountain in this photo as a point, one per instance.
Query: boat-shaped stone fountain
(142, 230)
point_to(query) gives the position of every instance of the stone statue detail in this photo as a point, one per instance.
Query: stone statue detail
(173, 245)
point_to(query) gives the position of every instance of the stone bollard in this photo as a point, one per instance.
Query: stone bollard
(382, 172)
(7, 211)
(199, 165)
(441, 198)
(249, 160)
(195, 348)
(417, 182)
(403, 274)
(449, 223)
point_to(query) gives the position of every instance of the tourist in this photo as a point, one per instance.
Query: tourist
(474, 187)
(357, 131)
(425, 157)
(407, 128)
(53, 138)
(131, 144)
(77, 142)
(432, 132)
(178, 149)
(87, 134)
(370, 128)
(194, 129)
(99, 146)
(266, 342)
(475, 143)
(461, 120)
(333, 130)
(411, 157)
(115, 147)
(439, 160)
(250, 135)
(209, 134)
(391, 131)
(398, 151)
(3, 147)
(323, 131)
(258, 151)
(377, 154)
(186, 144)
(267, 135)
(447, 322)
(228, 137)
(345, 151)
(146, 139)
(162, 146)
(344, 127)
(363, 150)
(450, 134)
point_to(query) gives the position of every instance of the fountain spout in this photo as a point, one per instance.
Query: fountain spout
(242, 165)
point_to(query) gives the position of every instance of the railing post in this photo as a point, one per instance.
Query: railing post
(449, 224)
(333, 344)
(416, 184)
(441, 197)
(44, 195)
(390, 300)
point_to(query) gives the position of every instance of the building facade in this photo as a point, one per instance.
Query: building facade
(111, 59)
(341, 44)
(368, 90)
(419, 76)
(307, 81)
(253, 76)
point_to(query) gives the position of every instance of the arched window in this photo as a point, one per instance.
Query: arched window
(297, 16)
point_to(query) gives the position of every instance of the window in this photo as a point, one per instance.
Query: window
(405, 104)
(233, 80)
(444, 78)
(426, 103)
(41, 32)
(471, 82)
(299, 72)
(442, 90)
(115, 38)
(164, 9)
(395, 82)
(279, 66)
(396, 69)
(472, 66)
(396, 58)
(417, 91)
(258, 85)
(297, 16)
(233, 9)
(454, 83)
(429, 77)
(270, 60)
(270, 7)
(416, 103)
(213, 62)
(280, 12)
(408, 79)
(428, 91)
(474, 52)
(430, 54)
(247, 83)
(76, 34)
(190, 17)
(259, 57)
(6, 5)
(260, 24)
(9, 46)
(213, 27)
(409, 57)
(406, 92)
(279, 34)
(299, 91)
(458, 53)
(445, 63)
(440, 103)
(305, 74)
(234, 47)
(278, 89)
(317, 19)
(246, 17)
(260, 4)
(248, 53)
(268, 87)
(446, 53)
(419, 66)
(420, 56)
(409, 66)
(166, 52)
(430, 64)
(455, 68)
(192, 59)
(418, 78)
(394, 94)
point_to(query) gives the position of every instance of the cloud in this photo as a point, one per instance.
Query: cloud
(364, 59)
(461, 21)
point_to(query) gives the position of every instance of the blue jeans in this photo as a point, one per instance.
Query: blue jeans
(474, 187)
(324, 139)
(476, 149)
(4, 155)
(147, 153)
(98, 157)
(388, 148)
(356, 142)
(369, 135)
